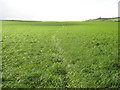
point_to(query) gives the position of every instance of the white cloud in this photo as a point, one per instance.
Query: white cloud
(58, 10)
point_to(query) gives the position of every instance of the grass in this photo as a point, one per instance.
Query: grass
(60, 55)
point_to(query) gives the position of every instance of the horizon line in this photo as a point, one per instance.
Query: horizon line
(51, 21)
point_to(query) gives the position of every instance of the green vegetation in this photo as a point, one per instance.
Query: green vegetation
(60, 55)
(116, 19)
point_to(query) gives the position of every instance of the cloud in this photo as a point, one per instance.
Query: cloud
(57, 10)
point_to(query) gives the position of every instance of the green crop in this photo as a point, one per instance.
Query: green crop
(60, 55)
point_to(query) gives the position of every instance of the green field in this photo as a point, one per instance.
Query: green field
(60, 54)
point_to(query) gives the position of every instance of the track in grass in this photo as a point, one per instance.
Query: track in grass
(60, 54)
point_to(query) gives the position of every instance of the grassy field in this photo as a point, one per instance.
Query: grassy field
(60, 55)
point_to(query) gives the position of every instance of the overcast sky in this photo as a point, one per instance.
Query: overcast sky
(57, 10)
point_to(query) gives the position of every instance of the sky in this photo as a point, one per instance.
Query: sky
(57, 10)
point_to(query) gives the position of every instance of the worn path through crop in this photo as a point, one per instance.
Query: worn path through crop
(59, 55)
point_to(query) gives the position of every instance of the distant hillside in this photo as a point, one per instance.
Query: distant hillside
(116, 19)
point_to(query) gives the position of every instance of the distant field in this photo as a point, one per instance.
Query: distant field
(60, 55)
(117, 19)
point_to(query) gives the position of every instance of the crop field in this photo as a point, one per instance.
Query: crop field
(60, 55)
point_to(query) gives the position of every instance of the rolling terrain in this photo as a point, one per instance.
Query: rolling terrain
(60, 54)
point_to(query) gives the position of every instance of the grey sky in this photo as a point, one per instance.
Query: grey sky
(57, 10)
